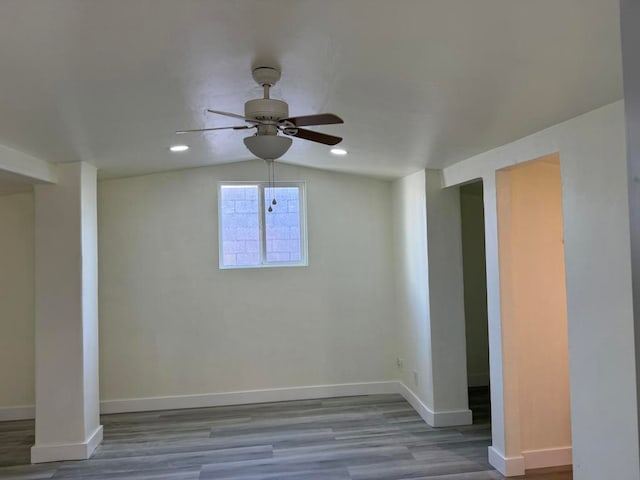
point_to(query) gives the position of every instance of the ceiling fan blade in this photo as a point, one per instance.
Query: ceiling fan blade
(233, 115)
(316, 136)
(240, 127)
(318, 119)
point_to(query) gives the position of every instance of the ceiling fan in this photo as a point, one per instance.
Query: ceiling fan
(270, 118)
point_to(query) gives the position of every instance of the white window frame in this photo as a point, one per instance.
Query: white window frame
(302, 212)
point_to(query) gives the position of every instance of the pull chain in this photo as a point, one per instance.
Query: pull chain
(273, 168)
(271, 183)
(269, 187)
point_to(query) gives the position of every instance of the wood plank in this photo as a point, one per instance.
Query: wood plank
(374, 437)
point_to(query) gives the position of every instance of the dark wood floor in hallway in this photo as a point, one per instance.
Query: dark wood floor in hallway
(370, 437)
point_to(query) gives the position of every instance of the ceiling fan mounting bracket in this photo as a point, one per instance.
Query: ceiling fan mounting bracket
(266, 76)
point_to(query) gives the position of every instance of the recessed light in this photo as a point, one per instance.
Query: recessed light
(179, 148)
(338, 151)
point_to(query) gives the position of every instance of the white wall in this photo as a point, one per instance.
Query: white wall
(630, 19)
(172, 323)
(597, 255)
(475, 284)
(412, 289)
(16, 300)
(429, 296)
(446, 299)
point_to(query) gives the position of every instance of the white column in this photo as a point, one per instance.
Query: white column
(67, 400)
(446, 304)
(498, 449)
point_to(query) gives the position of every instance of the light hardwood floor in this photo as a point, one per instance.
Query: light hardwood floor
(370, 437)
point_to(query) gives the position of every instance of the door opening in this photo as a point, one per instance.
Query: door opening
(475, 300)
(534, 313)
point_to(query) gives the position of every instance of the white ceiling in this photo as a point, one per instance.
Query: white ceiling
(418, 82)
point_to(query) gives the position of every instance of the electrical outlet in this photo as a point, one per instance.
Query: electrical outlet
(399, 363)
(415, 377)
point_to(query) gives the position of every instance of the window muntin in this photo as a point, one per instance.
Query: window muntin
(250, 236)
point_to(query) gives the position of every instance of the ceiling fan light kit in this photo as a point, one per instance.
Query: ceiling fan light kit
(270, 118)
(268, 147)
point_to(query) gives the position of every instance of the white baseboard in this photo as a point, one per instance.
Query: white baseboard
(478, 380)
(67, 451)
(507, 466)
(222, 399)
(433, 418)
(548, 457)
(22, 412)
(449, 418)
(246, 397)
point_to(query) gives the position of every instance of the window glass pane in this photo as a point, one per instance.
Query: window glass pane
(239, 214)
(282, 224)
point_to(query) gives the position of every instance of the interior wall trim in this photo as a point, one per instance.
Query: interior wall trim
(20, 412)
(67, 451)
(448, 418)
(246, 397)
(174, 402)
(548, 457)
(507, 466)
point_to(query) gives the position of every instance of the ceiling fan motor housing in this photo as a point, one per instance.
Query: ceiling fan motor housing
(266, 109)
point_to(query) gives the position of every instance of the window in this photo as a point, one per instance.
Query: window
(252, 236)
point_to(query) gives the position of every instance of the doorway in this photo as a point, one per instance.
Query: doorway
(533, 313)
(475, 299)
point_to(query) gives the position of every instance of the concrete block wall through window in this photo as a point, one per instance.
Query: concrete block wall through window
(261, 225)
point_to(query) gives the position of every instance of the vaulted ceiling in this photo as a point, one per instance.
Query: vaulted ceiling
(419, 83)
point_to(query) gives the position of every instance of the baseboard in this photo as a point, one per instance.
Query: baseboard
(507, 466)
(433, 418)
(22, 412)
(247, 397)
(67, 451)
(449, 418)
(548, 457)
(478, 380)
(225, 398)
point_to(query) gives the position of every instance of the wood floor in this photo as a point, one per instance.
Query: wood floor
(370, 437)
